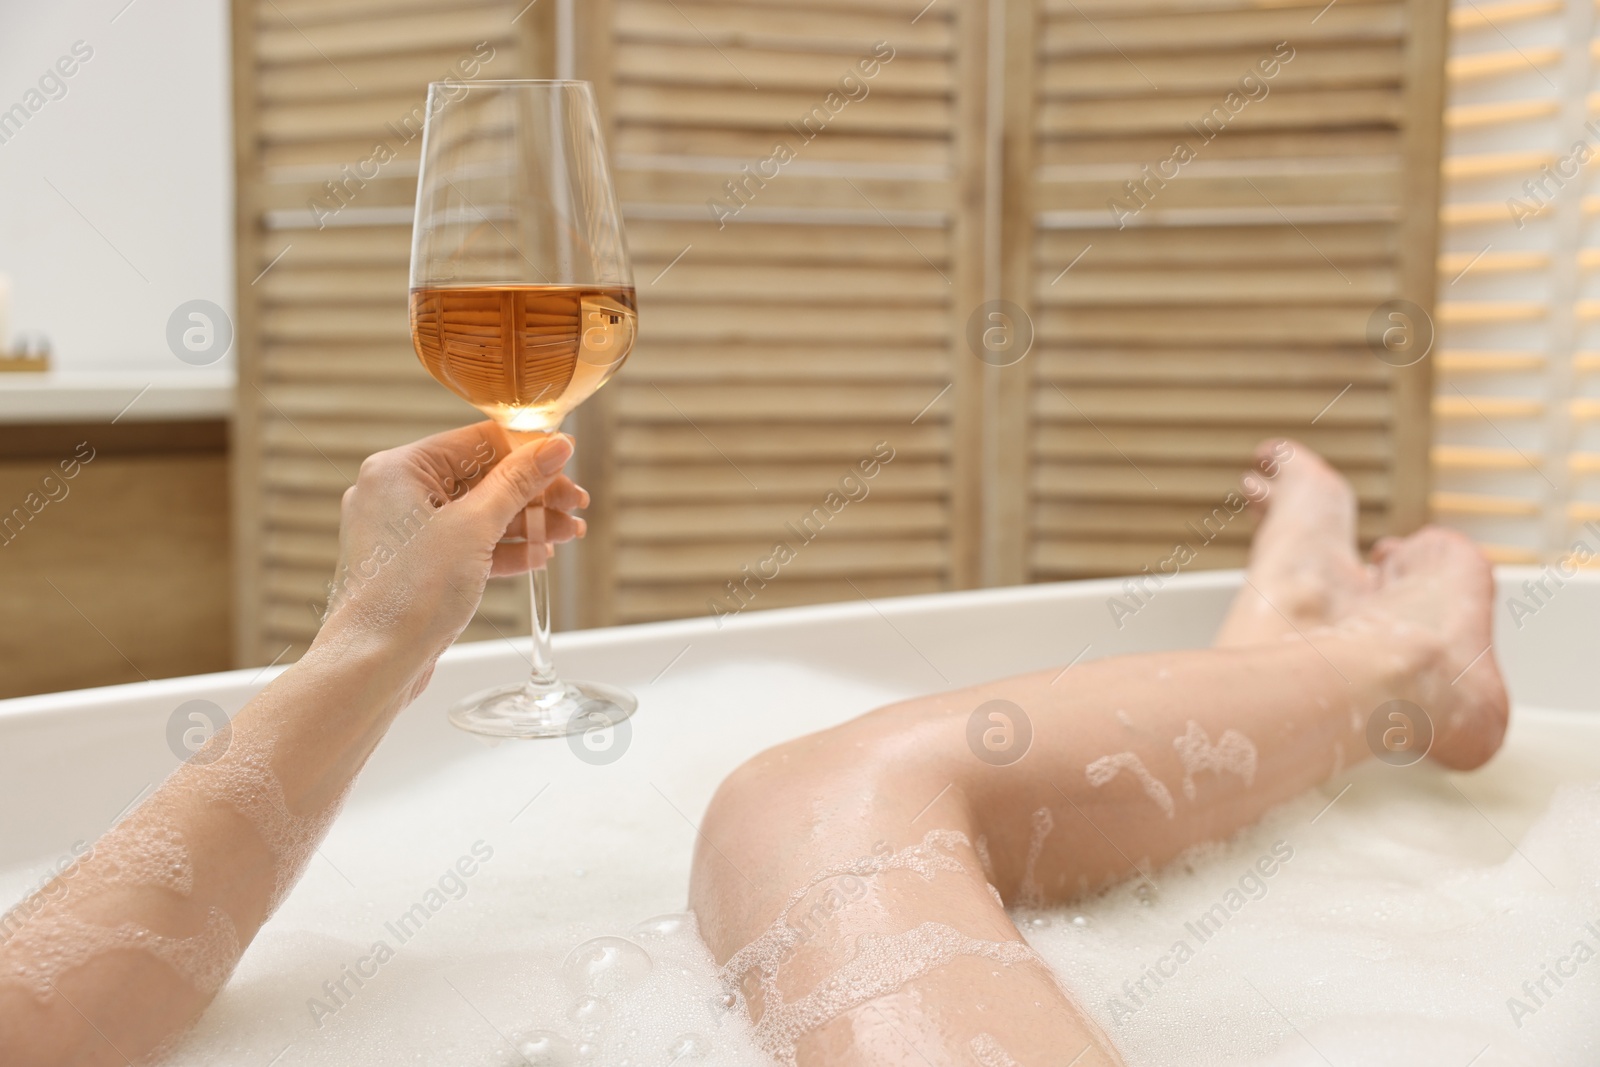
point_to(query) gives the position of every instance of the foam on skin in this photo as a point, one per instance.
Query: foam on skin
(53, 939)
(1106, 768)
(990, 1053)
(53, 943)
(1233, 753)
(243, 779)
(880, 965)
(145, 851)
(1031, 893)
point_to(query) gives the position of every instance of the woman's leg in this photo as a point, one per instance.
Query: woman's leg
(854, 879)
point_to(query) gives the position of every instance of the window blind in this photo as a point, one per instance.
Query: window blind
(1517, 447)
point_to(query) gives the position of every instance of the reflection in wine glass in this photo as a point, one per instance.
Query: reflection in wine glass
(522, 303)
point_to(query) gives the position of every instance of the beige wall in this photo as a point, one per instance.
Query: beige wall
(125, 575)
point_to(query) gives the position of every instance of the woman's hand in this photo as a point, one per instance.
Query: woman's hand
(427, 524)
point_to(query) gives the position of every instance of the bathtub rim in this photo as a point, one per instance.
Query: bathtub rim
(253, 679)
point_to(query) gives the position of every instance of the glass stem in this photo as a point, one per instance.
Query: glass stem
(544, 674)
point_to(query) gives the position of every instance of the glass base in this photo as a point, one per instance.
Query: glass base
(528, 711)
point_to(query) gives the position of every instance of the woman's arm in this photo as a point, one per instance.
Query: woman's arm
(118, 955)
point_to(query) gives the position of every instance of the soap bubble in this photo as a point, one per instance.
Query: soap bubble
(605, 965)
(688, 1047)
(659, 927)
(590, 1012)
(545, 1048)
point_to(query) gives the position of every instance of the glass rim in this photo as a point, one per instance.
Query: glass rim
(512, 83)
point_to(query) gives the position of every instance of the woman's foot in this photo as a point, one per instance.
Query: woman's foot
(1304, 571)
(1435, 598)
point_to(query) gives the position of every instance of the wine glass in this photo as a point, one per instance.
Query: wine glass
(522, 303)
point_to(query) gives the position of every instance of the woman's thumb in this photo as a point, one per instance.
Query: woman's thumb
(520, 479)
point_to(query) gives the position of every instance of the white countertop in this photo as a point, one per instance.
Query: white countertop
(114, 396)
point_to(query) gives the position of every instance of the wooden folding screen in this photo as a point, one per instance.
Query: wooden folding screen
(1224, 194)
(829, 201)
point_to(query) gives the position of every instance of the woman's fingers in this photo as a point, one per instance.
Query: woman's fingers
(564, 494)
(549, 525)
(519, 480)
(518, 558)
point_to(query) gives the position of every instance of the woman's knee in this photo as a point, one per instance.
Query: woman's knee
(806, 804)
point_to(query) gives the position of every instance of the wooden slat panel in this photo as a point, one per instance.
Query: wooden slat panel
(1308, 109)
(1217, 72)
(786, 190)
(280, 41)
(775, 352)
(747, 525)
(786, 484)
(1270, 193)
(1258, 246)
(783, 111)
(1182, 313)
(699, 65)
(1069, 34)
(327, 375)
(749, 146)
(1350, 446)
(850, 30)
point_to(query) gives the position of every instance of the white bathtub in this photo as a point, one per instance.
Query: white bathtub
(584, 847)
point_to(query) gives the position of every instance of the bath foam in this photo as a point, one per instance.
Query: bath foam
(766, 952)
(990, 1053)
(1031, 893)
(1234, 753)
(1106, 768)
(627, 859)
(1383, 947)
(881, 965)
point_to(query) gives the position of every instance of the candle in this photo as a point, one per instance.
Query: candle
(5, 313)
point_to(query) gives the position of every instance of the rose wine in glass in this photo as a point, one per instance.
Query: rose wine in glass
(522, 304)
